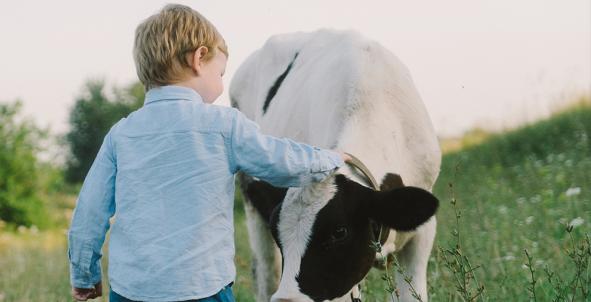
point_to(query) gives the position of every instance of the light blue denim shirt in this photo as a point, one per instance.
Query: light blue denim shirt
(167, 174)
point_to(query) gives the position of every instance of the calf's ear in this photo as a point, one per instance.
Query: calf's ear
(403, 208)
(264, 197)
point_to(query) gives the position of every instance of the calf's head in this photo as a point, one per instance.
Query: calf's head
(324, 230)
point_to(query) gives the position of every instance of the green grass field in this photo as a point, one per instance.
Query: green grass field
(514, 191)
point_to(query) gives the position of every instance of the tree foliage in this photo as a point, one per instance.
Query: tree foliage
(20, 141)
(91, 118)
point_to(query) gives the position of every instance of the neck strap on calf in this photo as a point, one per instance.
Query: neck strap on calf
(359, 166)
(380, 232)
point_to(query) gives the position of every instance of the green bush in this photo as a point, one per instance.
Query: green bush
(91, 118)
(19, 143)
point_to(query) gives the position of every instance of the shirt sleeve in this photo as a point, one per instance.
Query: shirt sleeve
(90, 220)
(279, 161)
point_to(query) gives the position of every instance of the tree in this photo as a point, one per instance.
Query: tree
(20, 141)
(91, 118)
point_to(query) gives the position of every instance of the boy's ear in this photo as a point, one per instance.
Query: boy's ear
(197, 59)
(265, 197)
(403, 208)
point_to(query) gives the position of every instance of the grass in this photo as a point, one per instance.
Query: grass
(518, 191)
(503, 235)
(33, 267)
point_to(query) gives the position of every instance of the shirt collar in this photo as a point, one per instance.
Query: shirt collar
(171, 93)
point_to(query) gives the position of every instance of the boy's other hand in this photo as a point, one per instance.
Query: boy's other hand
(83, 294)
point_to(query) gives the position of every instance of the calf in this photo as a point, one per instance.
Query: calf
(337, 89)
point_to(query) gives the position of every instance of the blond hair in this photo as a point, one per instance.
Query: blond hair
(163, 41)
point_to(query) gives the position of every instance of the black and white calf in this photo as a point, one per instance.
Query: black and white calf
(338, 90)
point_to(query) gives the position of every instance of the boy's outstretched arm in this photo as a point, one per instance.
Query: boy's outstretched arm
(279, 161)
(90, 222)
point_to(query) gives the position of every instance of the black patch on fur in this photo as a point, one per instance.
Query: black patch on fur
(274, 226)
(234, 102)
(339, 254)
(264, 197)
(403, 209)
(391, 181)
(273, 90)
(267, 200)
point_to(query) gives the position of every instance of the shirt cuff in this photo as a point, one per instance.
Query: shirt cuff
(331, 160)
(82, 279)
(85, 270)
(328, 162)
(337, 159)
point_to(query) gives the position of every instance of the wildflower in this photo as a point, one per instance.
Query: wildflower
(508, 258)
(21, 229)
(34, 230)
(561, 157)
(503, 210)
(576, 222)
(573, 191)
(529, 219)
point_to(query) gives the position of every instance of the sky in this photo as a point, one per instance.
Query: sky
(491, 64)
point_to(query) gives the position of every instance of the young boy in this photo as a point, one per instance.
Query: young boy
(167, 172)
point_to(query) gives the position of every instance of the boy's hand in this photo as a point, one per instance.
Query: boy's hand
(345, 156)
(83, 294)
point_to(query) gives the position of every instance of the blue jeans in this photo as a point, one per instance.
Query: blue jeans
(224, 295)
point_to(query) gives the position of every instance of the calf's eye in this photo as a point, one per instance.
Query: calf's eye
(339, 235)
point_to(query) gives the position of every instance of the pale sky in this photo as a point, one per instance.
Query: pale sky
(475, 63)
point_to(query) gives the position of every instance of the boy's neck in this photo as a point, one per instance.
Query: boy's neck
(187, 84)
(192, 83)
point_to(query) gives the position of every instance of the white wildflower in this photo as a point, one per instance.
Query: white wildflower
(34, 230)
(508, 258)
(521, 200)
(576, 222)
(21, 229)
(550, 158)
(573, 191)
(503, 210)
(529, 219)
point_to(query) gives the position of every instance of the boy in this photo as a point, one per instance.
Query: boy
(167, 171)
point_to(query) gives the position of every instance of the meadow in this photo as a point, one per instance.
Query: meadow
(514, 224)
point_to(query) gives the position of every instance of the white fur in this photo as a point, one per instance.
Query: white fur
(350, 93)
(296, 220)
